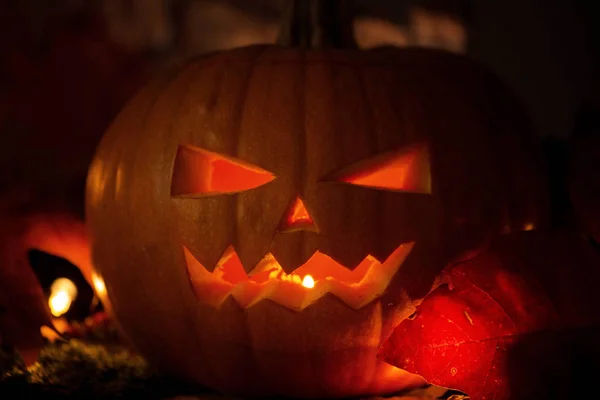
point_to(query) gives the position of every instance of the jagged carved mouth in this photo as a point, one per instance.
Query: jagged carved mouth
(308, 283)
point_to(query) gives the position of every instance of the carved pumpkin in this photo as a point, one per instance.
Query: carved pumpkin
(219, 190)
(263, 218)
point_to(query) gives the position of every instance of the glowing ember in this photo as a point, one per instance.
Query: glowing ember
(308, 282)
(62, 293)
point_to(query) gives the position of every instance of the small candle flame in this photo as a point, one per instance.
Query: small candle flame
(98, 284)
(62, 293)
(308, 282)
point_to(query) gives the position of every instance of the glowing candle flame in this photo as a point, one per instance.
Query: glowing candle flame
(308, 282)
(98, 284)
(62, 293)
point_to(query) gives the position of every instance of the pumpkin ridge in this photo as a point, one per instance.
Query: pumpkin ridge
(238, 112)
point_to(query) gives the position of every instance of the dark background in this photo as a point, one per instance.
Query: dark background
(67, 67)
(547, 51)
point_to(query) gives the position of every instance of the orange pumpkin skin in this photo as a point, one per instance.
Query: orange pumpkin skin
(301, 115)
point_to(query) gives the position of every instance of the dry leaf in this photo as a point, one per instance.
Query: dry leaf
(521, 322)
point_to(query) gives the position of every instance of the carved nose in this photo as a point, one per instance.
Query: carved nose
(296, 217)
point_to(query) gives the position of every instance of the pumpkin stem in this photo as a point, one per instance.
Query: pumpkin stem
(318, 24)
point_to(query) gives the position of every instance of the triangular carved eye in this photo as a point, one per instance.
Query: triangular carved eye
(199, 172)
(405, 170)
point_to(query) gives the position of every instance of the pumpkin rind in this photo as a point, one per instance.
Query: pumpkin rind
(302, 115)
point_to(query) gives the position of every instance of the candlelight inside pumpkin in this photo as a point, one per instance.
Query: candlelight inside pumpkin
(200, 173)
(279, 212)
(308, 283)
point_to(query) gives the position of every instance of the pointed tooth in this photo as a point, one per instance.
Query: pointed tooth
(382, 275)
(230, 267)
(400, 253)
(264, 276)
(319, 266)
(252, 254)
(375, 281)
(264, 292)
(246, 292)
(213, 293)
(319, 290)
(207, 288)
(218, 273)
(267, 268)
(355, 296)
(292, 250)
(194, 268)
(364, 267)
(209, 257)
(267, 263)
(349, 257)
(385, 246)
(289, 294)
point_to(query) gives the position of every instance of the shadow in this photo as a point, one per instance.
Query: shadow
(583, 169)
(555, 366)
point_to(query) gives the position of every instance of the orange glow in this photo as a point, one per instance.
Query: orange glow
(319, 275)
(50, 334)
(297, 217)
(528, 227)
(62, 294)
(308, 282)
(202, 172)
(407, 170)
(98, 284)
(230, 267)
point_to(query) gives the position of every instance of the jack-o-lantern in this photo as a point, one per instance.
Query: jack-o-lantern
(264, 218)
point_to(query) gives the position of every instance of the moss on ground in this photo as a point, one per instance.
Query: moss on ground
(75, 369)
